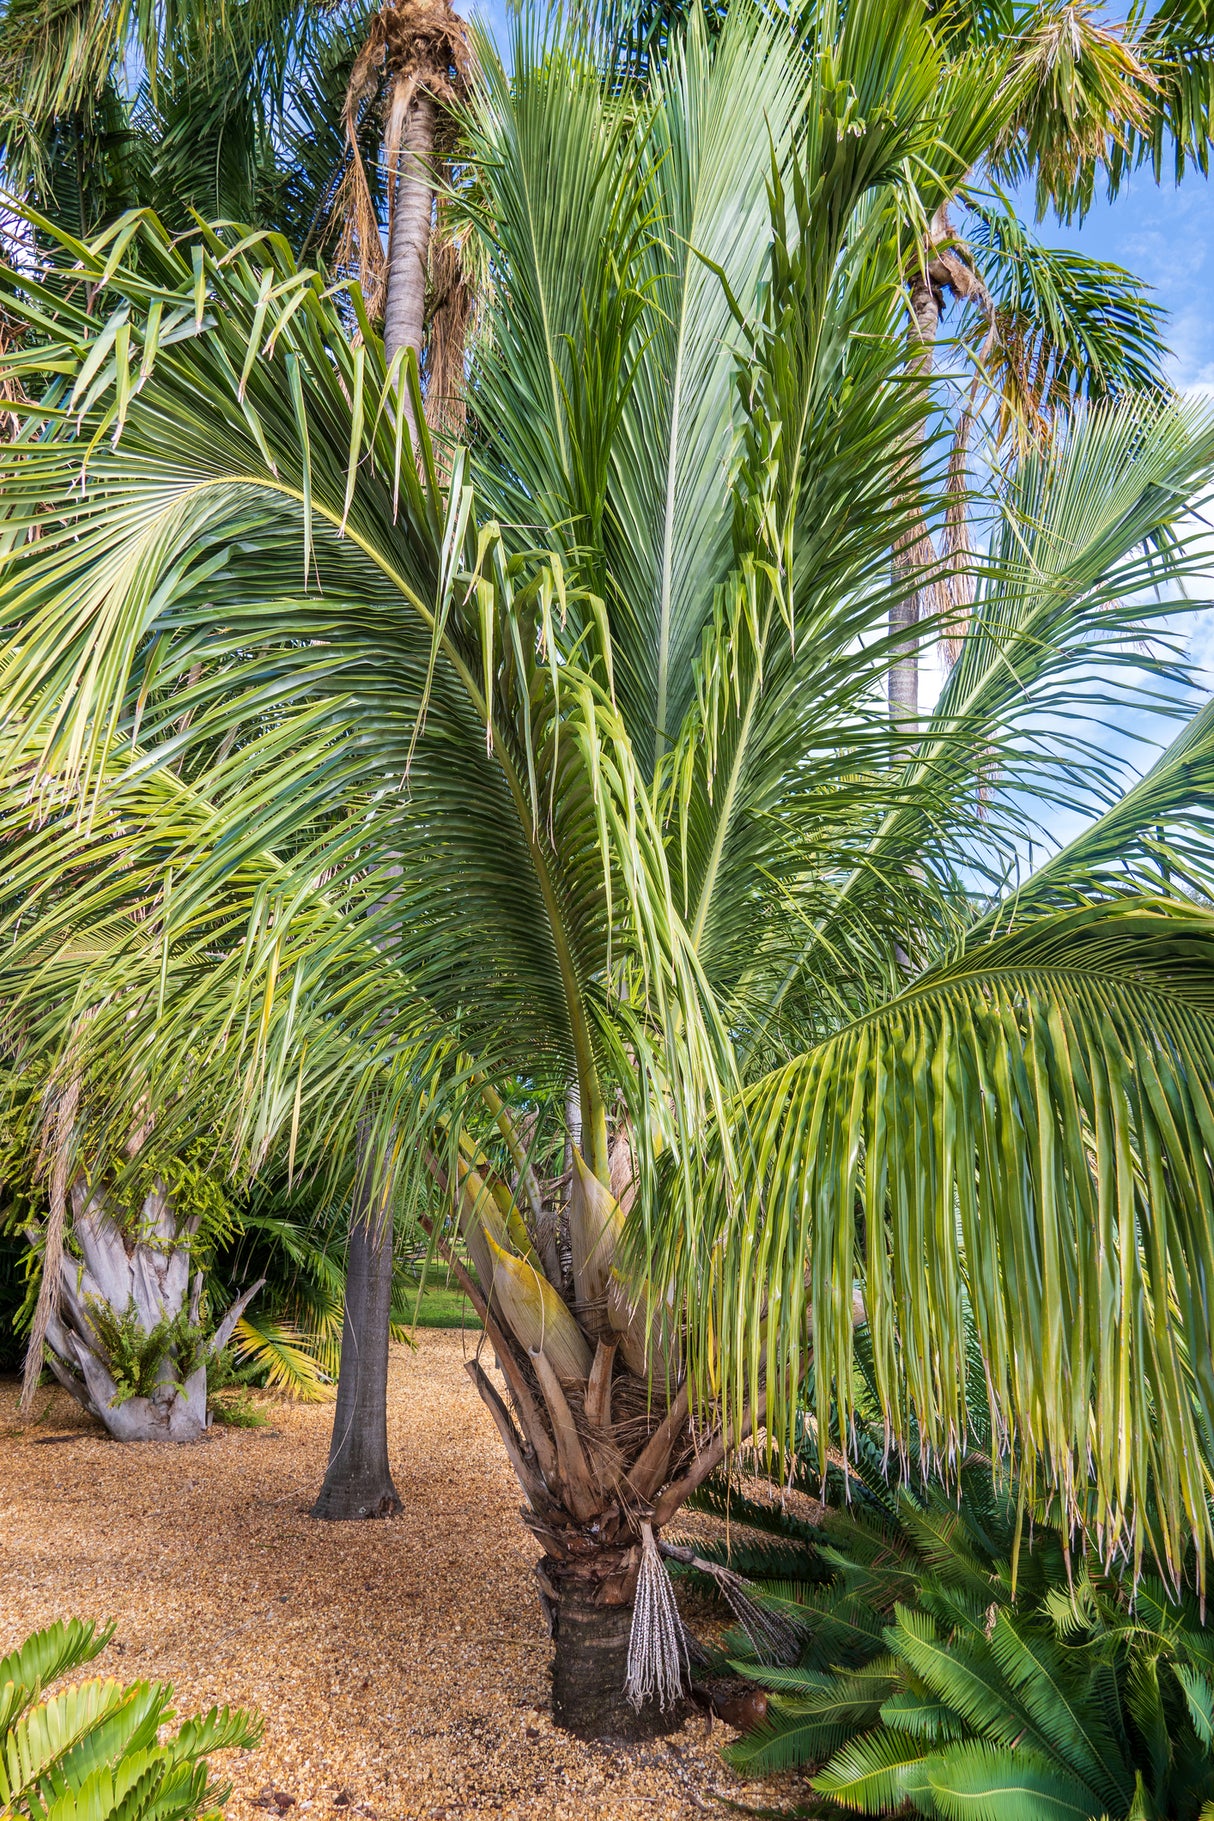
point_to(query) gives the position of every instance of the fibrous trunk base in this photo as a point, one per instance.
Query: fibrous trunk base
(590, 1662)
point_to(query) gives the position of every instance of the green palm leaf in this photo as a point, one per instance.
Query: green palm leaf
(1001, 1785)
(92, 1752)
(1010, 1124)
(878, 1772)
(289, 1357)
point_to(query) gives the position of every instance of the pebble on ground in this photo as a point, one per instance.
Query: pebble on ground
(402, 1667)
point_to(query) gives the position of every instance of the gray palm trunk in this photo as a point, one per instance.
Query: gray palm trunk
(358, 1482)
(914, 549)
(409, 245)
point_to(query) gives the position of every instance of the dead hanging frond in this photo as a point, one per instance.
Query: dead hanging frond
(774, 1638)
(360, 247)
(958, 582)
(451, 312)
(413, 47)
(944, 271)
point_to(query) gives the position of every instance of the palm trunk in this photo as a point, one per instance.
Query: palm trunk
(914, 549)
(958, 582)
(409, 242)
(594, 1413)
(590, 1638)
(358, 1481)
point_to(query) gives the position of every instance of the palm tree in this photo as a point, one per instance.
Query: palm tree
(549, 800)
(233, 110)
(139, 1275)
(412, 69)
(1090, 95)
(238, 115)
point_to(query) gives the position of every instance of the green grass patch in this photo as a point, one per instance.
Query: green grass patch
(238, 1411)
(442, 1306)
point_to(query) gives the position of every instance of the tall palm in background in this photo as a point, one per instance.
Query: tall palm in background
(410, 72)
(231, 110)
(568, 768)
(253, 110)
(1095, 97)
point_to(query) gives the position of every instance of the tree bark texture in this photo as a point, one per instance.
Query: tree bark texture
(590, 1662)
(409, 243)
(358, 1482)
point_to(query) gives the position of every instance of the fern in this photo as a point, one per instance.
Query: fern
(135, 1354)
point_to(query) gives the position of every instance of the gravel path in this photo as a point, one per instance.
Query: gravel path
(402, 1667)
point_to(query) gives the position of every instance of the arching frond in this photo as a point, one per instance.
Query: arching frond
(1027, 1129)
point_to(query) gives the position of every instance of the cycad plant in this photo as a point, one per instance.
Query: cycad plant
(95, 1749)
(956, 1650)
(544, 797)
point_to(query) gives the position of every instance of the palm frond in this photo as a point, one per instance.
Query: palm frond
(287, 1355)
(1008, 1127)
(1066, 326)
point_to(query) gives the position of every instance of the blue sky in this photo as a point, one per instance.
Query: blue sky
(1165, 234)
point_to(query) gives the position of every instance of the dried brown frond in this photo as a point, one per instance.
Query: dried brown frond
(451, 307)
(944, 271)
(412, 46)
(957, 583)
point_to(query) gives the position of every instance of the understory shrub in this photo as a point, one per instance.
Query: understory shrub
(957, 1653)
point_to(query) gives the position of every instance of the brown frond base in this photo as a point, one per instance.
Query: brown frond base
(590, 1659)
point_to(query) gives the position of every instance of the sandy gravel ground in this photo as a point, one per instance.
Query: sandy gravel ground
(402, 1667)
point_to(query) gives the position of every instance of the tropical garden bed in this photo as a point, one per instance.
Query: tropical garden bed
(402, 1667)
(608, 845)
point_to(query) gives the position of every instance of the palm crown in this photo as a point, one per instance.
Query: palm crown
(406, 796)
